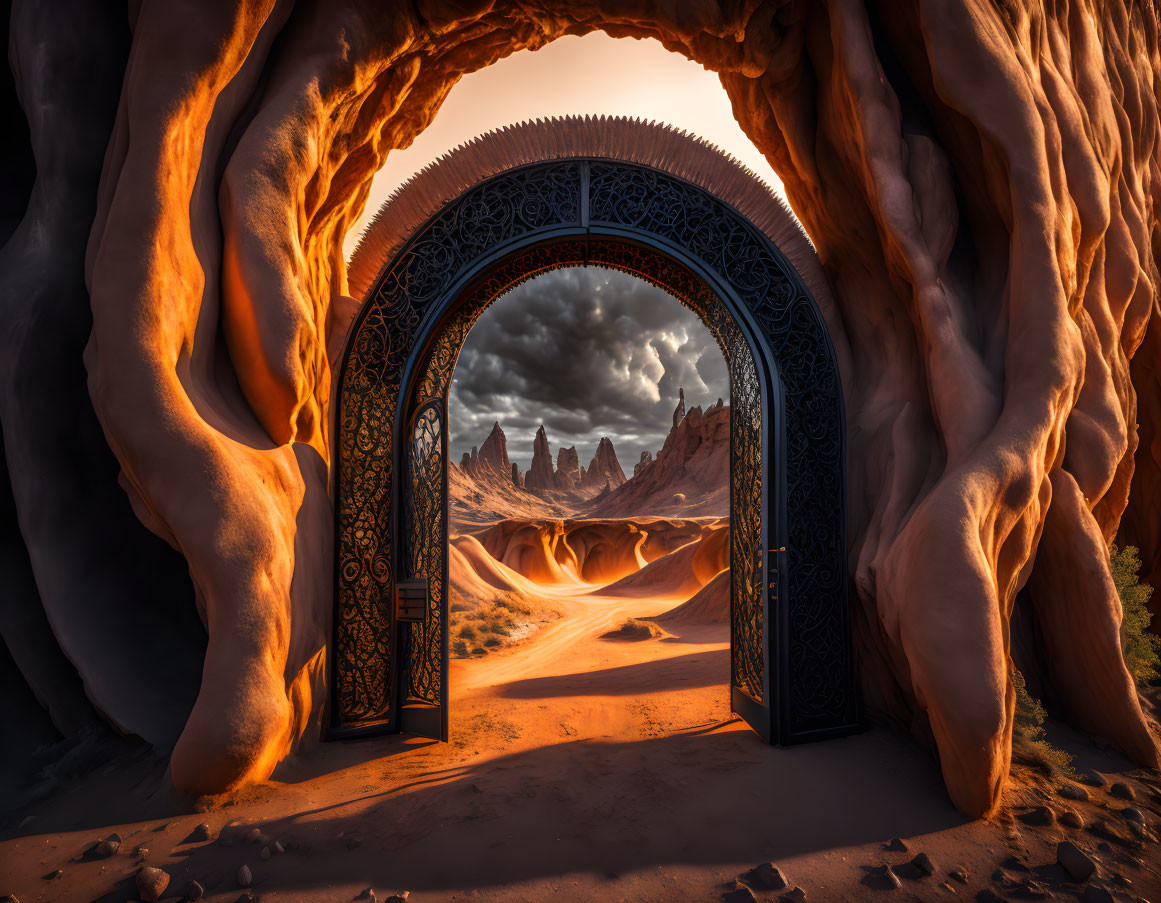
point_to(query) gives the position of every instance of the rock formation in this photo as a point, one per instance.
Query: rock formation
(541, 475)
(604, 469)
(568, 469)
(980, 182)
(693, 464)
(646, 458)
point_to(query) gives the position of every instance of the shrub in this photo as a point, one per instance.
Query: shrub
(460, 647)
(1029, 743)
(467, 631)
(1138, 645)
(492, 641)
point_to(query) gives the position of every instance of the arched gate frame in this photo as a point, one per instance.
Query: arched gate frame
(792, 669)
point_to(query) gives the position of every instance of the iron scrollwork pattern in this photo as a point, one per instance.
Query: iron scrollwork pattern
(425, 531)
(512, 210)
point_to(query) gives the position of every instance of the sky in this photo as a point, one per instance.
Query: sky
(657, 344)
(587, 352)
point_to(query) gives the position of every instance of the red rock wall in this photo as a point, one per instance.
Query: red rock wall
(980, 181)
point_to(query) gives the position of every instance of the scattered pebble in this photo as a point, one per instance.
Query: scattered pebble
(245, 876)
(151, 883)
(892, 878)
(278, 847)
(923, 862)
(1073, 792)
(265, 854)
(895, 845)
(194, 891)
(1041, 815)
(1074, 860)
(253, 835)
(107, 846)
(200, 833)
(958, 874)
(1122, 791)
(141, 850)
(766, 876)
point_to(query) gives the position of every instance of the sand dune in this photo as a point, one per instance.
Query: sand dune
(709, 605)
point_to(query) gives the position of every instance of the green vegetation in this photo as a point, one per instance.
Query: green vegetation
(487, 624)
(1139, 646)
(1030, 745)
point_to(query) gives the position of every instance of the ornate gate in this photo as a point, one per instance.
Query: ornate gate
(791, 663)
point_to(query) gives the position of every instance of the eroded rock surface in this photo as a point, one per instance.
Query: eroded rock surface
(980, 181)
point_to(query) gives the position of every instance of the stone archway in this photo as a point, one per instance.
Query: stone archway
(587, 199)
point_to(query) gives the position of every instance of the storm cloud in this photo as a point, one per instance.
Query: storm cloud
(587, 352)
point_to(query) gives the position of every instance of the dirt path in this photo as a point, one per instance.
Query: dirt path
(578, 768)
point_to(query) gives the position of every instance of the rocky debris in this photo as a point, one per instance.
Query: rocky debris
(1073, 792)
(794, 895)
(193, 891)
(1071, 818)
(1074, 860)
(1039, 816)
(766, 876)
(265, 854)
(278, 847)
(1094, 893)
(54, 875)
(740, 894)
(919, 867)
(958, 874)
(604, 469)
(895, 845)
(199, 834)
(1122, 791)
(1131, 813)
(245, 876)
(141, 851)
(568, 469)
(367, 894)
(645, 460)
(400, 897)
(1093, 778)
(891, 877)
(106, 846)
(151, 883)
(923, 862)
(254, 835)
(679, 411)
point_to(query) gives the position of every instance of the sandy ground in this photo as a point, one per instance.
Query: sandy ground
(579, 768)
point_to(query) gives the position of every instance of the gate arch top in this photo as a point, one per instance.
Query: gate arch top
(679, 197)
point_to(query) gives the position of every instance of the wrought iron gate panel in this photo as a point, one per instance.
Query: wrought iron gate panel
(425, 544)
(519, 219)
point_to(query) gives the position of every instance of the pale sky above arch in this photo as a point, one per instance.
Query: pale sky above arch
(592, 75)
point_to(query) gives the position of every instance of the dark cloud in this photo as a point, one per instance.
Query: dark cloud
(587, 352)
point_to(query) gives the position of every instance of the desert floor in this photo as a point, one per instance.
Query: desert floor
(579, 768)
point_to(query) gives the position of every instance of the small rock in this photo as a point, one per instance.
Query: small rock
(895, 845)
(1093, 778)
(1074, 861)
(367, 894)
(740, 894)
(958, 874)
(924, 864)
(107, 846)
(265, 854)
(908, 870)
(1012, 864)
(1140, 832)
(1040, 816)
(151, 883)
(794, 895)
(1073, 792)
(1031, 890)
(253, 835)
(245, 876)
(402, 896)
(352, 842)
(1121, 881)
(999, 876)
(264, 839)
(1122, 791)
(141, 850)
(1095, 894)
(1132, 814)
(54, 875)
(278, 847)
(193, 891)
(766, 876)
(1070, 818)
(200, 833)
(891, 878)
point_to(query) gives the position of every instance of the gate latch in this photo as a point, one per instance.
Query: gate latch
(411, 599)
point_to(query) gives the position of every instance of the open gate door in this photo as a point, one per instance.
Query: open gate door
(750, 629)
(423, 581)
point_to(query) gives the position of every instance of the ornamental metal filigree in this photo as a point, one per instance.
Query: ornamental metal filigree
(787, 438)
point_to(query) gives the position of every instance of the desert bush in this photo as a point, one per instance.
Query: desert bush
(457, 607)
(1139, 645)
(460, 647)
(492, 641)
(1030, 744)
(467, 631)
